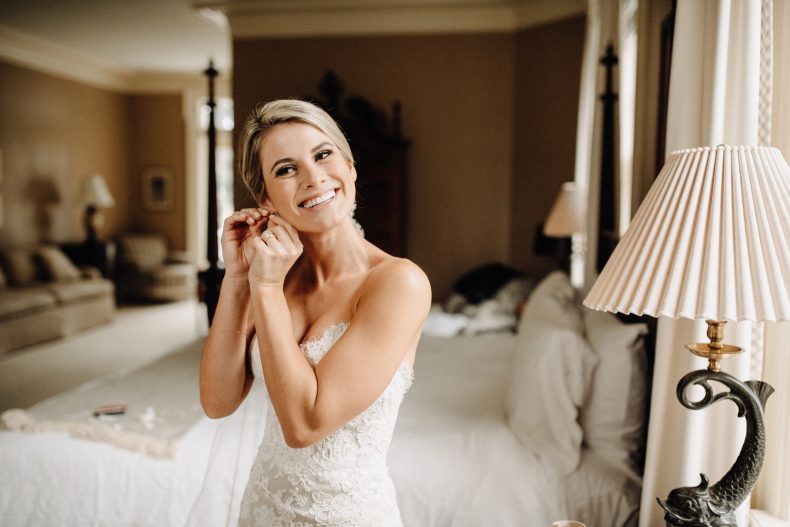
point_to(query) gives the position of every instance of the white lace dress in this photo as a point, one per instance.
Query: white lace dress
(340, 481)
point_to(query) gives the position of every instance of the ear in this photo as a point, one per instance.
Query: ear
(353, 169)
(267, 204)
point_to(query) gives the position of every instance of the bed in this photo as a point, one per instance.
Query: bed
(498, 429)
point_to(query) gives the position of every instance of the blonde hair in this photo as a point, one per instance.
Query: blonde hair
(264, 119)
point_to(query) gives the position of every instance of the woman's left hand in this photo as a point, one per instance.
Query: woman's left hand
(276, 250)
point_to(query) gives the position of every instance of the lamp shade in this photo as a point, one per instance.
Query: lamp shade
(711, 240)
(94, 192)
(568, 214)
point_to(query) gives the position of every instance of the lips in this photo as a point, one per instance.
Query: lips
(317, 200)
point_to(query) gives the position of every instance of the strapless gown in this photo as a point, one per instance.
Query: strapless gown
(340, 481)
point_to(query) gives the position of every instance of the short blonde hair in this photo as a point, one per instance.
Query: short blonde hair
(264, 119)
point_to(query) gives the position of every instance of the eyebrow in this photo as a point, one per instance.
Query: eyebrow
(290, 159)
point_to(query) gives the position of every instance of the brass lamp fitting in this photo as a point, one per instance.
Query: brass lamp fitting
(714, 350)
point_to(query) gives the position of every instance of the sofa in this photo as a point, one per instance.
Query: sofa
(44, 296)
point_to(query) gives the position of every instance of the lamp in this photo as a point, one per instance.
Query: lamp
(567, 218)
(94, 195)
(711, 240)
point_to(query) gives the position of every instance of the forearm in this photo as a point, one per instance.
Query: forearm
(223, 371)
(290, 379)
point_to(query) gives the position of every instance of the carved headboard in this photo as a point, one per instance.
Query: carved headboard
(381, 156)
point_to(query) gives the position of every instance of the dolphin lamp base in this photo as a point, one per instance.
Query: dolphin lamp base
(714, 505)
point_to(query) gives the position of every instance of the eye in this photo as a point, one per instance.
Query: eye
(323, 154)
(285, 170)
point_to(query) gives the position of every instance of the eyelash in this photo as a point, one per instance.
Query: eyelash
(289, 169)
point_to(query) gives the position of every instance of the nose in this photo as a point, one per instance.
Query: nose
(313, 175)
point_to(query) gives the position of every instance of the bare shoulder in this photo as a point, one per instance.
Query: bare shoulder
(398, 279)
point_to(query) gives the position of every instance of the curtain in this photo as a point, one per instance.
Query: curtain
(772, 492)
(713, 99)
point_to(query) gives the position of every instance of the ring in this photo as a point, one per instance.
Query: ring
(268, 234)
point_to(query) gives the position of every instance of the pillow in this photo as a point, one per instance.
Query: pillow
(57, 265)
(20, 266)
(614, 417)
(554, 300)
(550, 376)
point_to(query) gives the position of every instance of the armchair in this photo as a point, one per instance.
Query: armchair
(148, 271)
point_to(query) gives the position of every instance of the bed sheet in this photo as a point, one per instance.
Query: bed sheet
(53, 479)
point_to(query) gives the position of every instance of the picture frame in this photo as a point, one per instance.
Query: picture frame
(157, 189)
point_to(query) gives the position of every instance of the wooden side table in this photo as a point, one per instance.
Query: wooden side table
(98, 254)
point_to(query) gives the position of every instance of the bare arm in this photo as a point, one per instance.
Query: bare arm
(224, 375)
(311, 404)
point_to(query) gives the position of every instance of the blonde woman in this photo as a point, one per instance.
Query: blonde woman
(327, 320)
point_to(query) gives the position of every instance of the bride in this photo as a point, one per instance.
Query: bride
(328, 320)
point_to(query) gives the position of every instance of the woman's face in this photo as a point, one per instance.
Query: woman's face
(308, 181)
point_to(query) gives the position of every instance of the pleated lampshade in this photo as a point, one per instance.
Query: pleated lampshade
(711, 240)
(568, 213)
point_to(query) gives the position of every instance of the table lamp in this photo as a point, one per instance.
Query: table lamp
(94, 195)
(567, 219)
(710, 241)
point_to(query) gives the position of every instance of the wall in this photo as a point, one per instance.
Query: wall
(54, 132)
(548, 75)
(156, 129)
(457, 94)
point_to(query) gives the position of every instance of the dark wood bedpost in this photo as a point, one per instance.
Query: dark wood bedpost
(607, 228)
(210, 278)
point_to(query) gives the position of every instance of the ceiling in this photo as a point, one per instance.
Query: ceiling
(132, 45)
(128, 36)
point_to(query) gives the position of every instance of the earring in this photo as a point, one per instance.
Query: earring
(354, 222)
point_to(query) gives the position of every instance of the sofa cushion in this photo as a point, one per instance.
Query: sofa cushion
(20, 301)
(19, 265)
(67, 291)
(56, 265)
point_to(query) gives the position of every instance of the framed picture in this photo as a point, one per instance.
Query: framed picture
(157, 189)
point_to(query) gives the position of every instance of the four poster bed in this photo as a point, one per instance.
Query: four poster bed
(540, 422)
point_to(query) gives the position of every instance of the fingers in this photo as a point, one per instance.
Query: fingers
(247, 216)
(282, 235)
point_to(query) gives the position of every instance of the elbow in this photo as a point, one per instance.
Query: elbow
(302, 439)
(301, 435)
(214, 410)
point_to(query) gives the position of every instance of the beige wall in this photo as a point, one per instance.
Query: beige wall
(548, 73)
(486, 114)
(157, 140)
(54, 132)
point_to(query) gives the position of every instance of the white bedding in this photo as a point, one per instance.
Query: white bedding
(453, 458)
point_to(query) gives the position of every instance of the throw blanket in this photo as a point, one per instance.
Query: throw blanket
(162, 398)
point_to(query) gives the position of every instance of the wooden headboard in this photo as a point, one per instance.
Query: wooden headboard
(381, 157)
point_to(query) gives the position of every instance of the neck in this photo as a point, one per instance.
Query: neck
(334, 254)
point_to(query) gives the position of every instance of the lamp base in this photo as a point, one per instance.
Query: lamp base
(714, 506)
(93, 220)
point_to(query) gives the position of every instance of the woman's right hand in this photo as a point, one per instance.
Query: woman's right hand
(237, 231)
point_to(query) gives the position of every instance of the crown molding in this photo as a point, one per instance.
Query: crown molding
(43, 56)
(282, 19)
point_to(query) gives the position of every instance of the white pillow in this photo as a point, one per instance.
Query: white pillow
(614, 417)
(554, 300)
(550, 375)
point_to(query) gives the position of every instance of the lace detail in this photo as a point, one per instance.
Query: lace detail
(340, 481)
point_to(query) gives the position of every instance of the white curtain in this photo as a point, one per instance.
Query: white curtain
(772, 492)
(608, 21)
(713, 99)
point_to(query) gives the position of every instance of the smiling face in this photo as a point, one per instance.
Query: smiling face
(307, 179)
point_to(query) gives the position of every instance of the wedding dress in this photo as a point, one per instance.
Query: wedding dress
(340, 481)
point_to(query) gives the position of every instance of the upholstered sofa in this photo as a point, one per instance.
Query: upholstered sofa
(44, 296)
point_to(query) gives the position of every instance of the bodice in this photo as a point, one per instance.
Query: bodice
(340, 480)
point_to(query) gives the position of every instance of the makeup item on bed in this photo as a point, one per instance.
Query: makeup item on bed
(109, 409)
(686, 254)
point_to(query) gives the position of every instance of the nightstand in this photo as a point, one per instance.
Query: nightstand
(98, 254)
